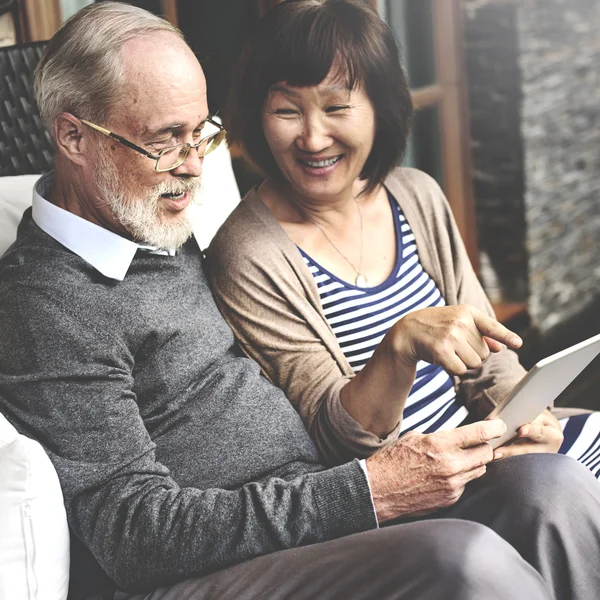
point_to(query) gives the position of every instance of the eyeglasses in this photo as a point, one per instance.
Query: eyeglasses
(172, 157)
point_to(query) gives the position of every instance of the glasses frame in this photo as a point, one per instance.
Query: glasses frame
(186, 147)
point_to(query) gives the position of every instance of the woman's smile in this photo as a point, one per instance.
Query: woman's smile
(320, 167)
(320, 136)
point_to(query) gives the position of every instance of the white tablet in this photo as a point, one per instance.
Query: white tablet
(542, 384)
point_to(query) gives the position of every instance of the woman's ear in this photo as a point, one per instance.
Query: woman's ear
(71, 139)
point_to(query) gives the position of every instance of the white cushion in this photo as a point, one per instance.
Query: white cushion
(219, 195)
(34, 536)
(15, 197)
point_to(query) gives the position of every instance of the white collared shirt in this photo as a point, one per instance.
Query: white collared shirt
(107, 252)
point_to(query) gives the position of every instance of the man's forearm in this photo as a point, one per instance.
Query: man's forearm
(145, 531)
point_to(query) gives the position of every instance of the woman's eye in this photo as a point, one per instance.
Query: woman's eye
(336, 108)
(285, 111)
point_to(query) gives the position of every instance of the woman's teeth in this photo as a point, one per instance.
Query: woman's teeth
(317, 164)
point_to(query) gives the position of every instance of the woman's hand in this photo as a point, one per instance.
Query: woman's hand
(544, 434)
(456, 338)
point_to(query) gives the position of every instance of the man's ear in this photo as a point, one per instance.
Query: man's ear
(71, 139)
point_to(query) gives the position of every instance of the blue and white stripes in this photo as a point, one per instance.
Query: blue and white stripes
(360, 318)
(582, 440)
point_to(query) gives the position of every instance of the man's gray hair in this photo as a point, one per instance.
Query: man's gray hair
(81, 70)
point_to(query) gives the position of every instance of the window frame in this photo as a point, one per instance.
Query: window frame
(449, 94)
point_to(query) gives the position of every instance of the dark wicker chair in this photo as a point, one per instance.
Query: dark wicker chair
(25, 145)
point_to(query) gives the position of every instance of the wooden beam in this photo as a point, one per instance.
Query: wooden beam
(507, 311)
(43, 19)
(454, 122)
(427, 96)
(169, 10)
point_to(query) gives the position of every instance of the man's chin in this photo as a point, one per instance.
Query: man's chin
(166, 236)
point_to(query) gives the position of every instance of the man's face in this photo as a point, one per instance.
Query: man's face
(163, 104)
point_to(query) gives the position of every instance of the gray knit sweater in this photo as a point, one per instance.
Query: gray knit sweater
(175, 456)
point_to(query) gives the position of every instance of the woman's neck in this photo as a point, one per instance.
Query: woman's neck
(289, 207)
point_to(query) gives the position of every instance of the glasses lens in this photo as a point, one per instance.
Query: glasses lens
(172, 157)
(211, 138)
(210, 144)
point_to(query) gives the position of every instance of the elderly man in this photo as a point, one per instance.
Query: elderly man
(185, 473)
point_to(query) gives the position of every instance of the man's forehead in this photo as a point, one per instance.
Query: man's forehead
(156, 56)
(163, 84)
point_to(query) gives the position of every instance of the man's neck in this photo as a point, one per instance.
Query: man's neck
(69, 193)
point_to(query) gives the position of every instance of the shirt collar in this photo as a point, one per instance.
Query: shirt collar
(106, 251)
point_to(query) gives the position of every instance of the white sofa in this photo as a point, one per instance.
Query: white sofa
(34, 537)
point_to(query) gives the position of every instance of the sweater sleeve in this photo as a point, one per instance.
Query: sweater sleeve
(69, 383)
(263, 292)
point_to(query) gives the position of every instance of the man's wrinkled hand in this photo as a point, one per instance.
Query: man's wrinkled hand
(419, 474)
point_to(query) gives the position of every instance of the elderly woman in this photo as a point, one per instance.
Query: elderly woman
(344, 275)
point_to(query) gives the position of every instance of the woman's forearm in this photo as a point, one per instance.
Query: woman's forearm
(376, 396)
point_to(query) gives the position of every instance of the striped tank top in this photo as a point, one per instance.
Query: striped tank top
(360, 318)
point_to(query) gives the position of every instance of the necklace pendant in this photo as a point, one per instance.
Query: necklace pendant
(361, 281)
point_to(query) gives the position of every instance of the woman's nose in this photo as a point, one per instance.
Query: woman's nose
(315, 135)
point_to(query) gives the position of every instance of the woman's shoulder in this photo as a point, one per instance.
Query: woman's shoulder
(249, 236)
(415, 184)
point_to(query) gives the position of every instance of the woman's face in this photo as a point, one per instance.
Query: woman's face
(320, 136)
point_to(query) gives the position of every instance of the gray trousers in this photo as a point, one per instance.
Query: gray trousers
(528, 529)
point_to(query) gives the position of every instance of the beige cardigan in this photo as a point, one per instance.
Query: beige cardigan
(270, 299)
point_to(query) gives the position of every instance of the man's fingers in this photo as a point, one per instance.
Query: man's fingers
(520, 448)
(493, 329)
(476, 457)
(475, 474)
(478, 433)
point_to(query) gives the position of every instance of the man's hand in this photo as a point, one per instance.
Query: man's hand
(457, 338)
(543, 434)
(419, 474)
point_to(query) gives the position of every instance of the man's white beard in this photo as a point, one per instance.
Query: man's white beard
(141, 214)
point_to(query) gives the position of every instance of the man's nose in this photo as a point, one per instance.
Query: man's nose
(191, 166)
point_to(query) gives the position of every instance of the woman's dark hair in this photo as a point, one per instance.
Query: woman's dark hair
(298, 42)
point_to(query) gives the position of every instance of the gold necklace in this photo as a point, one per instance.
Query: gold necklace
(360, 280)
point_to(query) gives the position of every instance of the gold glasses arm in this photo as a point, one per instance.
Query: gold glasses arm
(106, 132)
(120, 139)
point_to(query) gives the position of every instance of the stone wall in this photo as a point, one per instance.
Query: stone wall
(492, 63)
(560, 123)
(534, 79)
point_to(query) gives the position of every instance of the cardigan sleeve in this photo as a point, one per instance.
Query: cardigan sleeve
(480, 390)
(262, 290)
